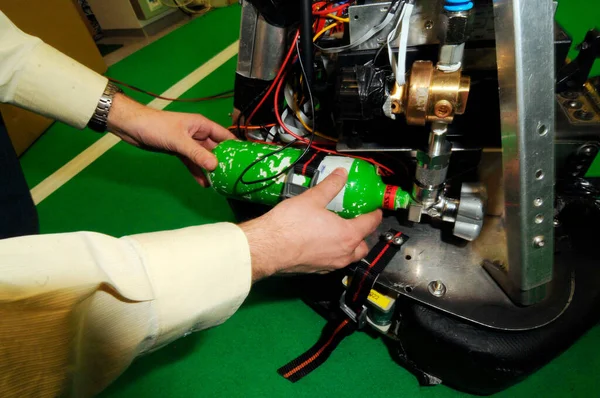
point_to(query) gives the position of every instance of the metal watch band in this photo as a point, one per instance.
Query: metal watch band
(100, 117)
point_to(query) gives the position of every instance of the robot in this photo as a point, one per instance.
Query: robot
(477, 112)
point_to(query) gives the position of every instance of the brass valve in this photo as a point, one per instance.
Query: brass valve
(430, 95)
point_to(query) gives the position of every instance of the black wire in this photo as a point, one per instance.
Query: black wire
(308, 146)
(383, 46)
(247, 108)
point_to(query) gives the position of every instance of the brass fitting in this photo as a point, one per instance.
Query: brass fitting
(430, 95)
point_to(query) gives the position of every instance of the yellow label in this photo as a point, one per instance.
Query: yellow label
(376, 298)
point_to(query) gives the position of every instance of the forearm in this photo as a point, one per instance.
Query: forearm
(77, 308)
(37, 77)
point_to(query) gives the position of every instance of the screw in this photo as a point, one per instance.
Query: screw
(499, 264)
(589, 150)
(437, 288)
(556, 223)
(443, 109)
(388, 236)
(570, 95)
(583, 115)
(573, 104)
(539, 242)
(429, 24)
(397, 240)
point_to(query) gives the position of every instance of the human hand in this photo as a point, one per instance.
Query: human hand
(190, 136)
(301, 235)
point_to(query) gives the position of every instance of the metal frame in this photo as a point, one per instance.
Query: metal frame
(525, 54)
(262, 45)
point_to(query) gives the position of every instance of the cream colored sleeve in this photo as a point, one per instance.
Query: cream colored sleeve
(37, 77)
(77, 308)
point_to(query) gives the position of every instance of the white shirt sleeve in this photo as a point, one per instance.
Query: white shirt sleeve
(77, 308)
(37, 77)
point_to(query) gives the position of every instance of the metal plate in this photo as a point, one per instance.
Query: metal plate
(423, 23)
(470, 292)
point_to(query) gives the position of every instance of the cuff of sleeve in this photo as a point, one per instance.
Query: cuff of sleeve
(200, 276)
(54, 85)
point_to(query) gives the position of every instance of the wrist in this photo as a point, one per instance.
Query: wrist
(263, 243)
(126, 114)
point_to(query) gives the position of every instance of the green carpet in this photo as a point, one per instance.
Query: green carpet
(129, 191)
(577, 17)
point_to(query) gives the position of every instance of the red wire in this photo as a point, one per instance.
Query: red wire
(296, 136)
(331, 10)
(279, 74)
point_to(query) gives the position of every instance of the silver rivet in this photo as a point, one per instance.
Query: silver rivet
(538, 202)
(437, 288)
(388, 236)
(397, 240)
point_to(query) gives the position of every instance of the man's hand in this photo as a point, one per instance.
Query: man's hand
(188, 135)
(301, 235)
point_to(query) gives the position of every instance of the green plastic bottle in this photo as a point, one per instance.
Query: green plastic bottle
(364, 191)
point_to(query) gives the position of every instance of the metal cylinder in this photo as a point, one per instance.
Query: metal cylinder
(262, 45)
(432, 167)
(455, 29)
(431, 95)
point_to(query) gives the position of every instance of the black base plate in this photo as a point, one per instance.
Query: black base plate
(440, 348)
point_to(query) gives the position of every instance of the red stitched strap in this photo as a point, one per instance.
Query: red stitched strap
(366, 273)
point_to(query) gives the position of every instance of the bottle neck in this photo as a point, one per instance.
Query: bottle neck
(395, 198)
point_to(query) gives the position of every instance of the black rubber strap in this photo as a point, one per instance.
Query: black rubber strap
(370, 267)
(365, 276)
(308, 164)
(332, 335)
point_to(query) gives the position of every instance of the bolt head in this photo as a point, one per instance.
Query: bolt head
(443, 109)
(436, 288)
(589, 150)
(583, 115)
(570, 95)
(388, 236)
(397, 240)
(556, 223)
(574, 104)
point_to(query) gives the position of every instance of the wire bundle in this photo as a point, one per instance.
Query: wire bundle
(275, 88)
(325, 13)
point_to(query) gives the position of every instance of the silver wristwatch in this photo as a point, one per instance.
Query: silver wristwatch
(100, 116)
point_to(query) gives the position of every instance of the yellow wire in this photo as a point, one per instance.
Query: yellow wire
(299, 117)
(325, 29)
(340, 19)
